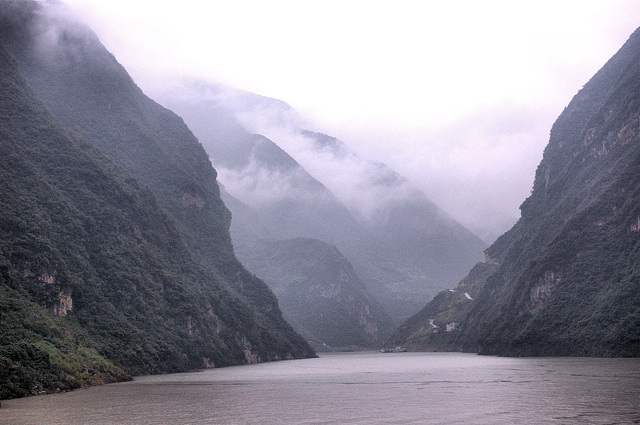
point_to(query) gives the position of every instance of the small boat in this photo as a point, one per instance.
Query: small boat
(398, 349)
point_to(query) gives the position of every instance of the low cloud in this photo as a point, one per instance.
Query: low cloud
(260, 187)
(479, 170)
(461, 107)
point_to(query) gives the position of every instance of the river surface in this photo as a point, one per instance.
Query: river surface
(359, 388)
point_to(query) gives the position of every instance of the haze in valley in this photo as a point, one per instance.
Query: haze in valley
(457, 97)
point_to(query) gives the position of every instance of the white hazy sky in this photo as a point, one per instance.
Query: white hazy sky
(458, 96)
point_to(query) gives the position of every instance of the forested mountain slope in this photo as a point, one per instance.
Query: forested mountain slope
(115, 254)
(565, 280)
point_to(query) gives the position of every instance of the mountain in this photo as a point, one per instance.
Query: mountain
(300, 183)
(281, 207)
(320, 293)
(115, 252)
(257, 172)
(413, 237)
(565, 280)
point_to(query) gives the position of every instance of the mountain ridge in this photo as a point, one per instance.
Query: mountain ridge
(564, 279)
(381, 202)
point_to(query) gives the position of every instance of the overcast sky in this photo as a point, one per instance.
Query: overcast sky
(458, 96)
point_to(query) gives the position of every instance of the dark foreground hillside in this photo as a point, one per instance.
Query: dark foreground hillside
(565, 280)
(114, 259)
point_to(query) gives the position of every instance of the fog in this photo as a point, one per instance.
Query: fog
(458, 97)
(364, 186)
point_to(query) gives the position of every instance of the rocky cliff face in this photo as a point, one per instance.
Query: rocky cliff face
(115, 255)
(565, 280)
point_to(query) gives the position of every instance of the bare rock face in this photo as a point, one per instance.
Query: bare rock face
(64, 304)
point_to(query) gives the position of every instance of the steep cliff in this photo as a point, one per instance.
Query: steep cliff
(115, 254)
(565, 280)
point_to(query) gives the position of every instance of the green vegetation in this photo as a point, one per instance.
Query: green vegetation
(110, 266)
(42, 353)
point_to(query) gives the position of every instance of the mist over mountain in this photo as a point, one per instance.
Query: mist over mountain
(565, 280)
(276, 203)
(116, 257)
(302, 183)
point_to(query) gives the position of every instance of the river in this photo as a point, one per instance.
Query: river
(359, 388)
